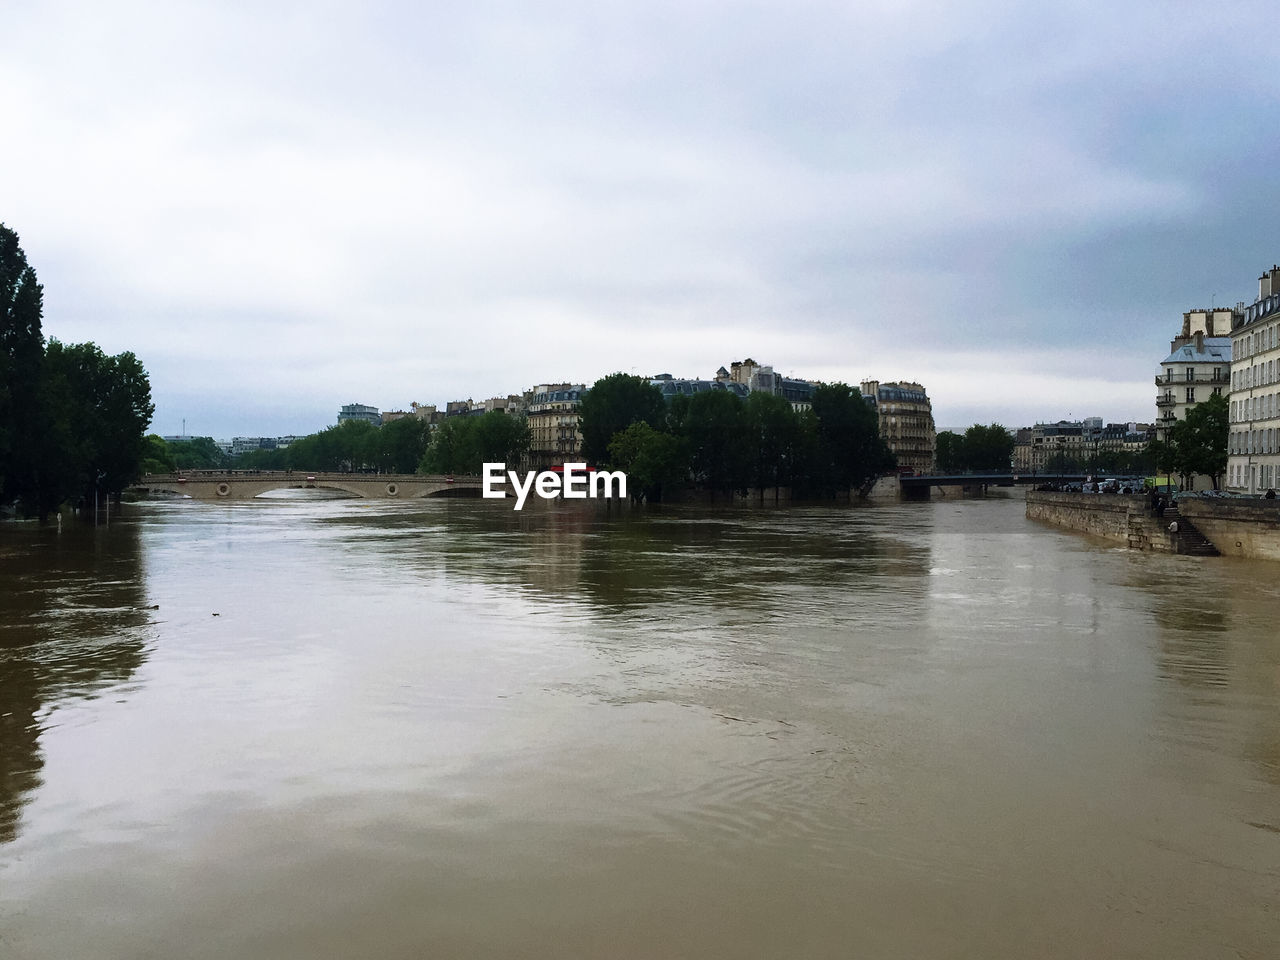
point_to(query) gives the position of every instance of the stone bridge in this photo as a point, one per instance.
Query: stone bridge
(246, 484)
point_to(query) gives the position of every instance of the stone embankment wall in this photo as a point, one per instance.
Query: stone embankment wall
(1237, 527)
(1117, 517)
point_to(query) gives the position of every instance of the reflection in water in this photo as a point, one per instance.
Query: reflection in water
(448, 729)
(73, 619)
(1219, 645)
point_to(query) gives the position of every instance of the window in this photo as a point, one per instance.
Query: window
(1191, 374)
(1191, 394)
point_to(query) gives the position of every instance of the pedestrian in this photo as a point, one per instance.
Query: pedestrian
(1173, 527)
(1270, 495)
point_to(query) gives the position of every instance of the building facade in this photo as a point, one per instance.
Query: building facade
(360, 411)
(906, 422)
(555, 433)
(1197, 367)
(1253, 444)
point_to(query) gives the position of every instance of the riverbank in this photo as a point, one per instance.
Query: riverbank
(1234, 527)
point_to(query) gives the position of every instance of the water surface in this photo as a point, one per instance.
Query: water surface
(298, 728)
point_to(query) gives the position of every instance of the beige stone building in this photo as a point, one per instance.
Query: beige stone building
(906, 422)
(1253, 447)
(554, 424)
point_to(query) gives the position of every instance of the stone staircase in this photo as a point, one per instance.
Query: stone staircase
(1188, 539)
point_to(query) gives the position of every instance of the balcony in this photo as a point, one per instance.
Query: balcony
(1170, 379)
(1166, 400)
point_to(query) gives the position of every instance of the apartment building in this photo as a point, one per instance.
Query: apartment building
(1253, 445)
(1197, 367)
(555, 433)
(906, 422)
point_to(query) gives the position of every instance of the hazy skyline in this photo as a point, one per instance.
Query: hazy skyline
(287, 207)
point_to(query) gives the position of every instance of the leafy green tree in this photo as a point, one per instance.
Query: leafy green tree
(401, 444)
(95, 411)
(849, 452)
(988, 449)
(714, 425)
(499, 438)
(197, 453)
(949, 452)
(772, 434)
(155, 455)
(463, 444)
(21, 358)
(654, 461)
(611, 405)
(262, 459)
(1199, 441)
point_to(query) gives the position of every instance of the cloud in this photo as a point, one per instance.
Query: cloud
(314, 204)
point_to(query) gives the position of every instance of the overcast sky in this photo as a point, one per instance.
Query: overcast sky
(282, 208)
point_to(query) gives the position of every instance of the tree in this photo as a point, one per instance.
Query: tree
(654, 461)
(95, 413)
(715, 427)
(849, 451)
(155, 455)
(1199, 441)
(987, 449)
(464, 444)
(611, 405)
(949, 452)
(197, 453)
(21, 358)
(772, 435)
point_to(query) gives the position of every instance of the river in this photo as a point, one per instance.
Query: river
(312, 728)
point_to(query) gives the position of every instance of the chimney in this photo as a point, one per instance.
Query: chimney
(1199, 341)
(1264, 286)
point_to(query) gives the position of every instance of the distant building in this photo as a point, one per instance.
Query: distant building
(1077, 446)
(1253, 446)
(906, 422)
(671, 387)
(555, 434)
(359, 411)
(758, 378)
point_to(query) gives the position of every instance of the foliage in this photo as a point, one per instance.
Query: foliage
(72, 418)
(1197, 444)
(988, 449)
(981, 449)
(611, 405)
(654, 461)
(156, 457)
(96, 410)
(714, 425)
(197, 453)
(463, 444)
(847, 450)
(949, 452)
(21, 356)
(773, 438)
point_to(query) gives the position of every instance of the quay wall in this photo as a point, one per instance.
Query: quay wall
(1120, 518)
(1237, 527)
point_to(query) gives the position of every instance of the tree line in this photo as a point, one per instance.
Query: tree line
(714, 441)
(719, 442)
(980, 449)
(72, 418)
